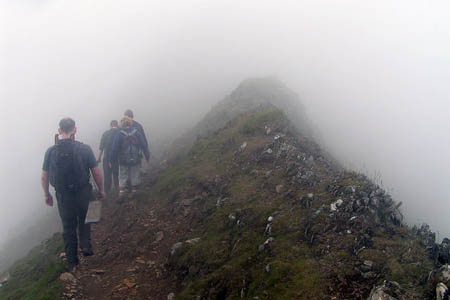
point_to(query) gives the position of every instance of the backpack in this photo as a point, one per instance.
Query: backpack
(129, 152)
(66, 173)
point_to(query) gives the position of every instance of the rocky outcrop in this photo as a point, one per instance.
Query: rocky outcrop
(251, 95)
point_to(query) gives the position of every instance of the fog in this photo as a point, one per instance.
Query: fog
(372, 76)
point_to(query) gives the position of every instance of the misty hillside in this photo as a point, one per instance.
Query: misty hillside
(251, 95)
(249, 208)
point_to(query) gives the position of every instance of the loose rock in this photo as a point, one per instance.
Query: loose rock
(334, 206)
(193, 241)
(175, 247)
(279, 188)
(67, 277)
(159, 237)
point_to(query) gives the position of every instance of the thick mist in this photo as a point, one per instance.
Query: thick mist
(372, 77)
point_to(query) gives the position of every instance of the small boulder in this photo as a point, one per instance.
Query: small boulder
(175, 247)
(384, 291)
(159, 237)
(193, 241)
(269, 241)
(67, 277)
(130, 284)
(279, 188)
(441, 291)
(334, 206)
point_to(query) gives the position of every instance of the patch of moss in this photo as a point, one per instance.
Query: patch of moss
(256, 123)
(36, 276)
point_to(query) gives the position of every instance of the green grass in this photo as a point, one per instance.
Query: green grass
(226, 263)
(36, 276)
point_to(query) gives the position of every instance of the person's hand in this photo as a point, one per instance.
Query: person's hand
(49, 200)
(110, 165)
(99, 160)
(149, 161)
(101, 195)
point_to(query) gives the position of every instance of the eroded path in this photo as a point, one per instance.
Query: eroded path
(131, 245)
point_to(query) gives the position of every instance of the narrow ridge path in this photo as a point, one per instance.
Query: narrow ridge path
(131, 246)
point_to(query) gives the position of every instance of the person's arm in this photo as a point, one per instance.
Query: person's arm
(45, 180)
(141, 131)
(97, 174)
(144, 147)
(100, 154)
(45, 186)
(102, 147)
(95, 170)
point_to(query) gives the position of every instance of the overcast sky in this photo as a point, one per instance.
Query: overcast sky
(371, 74)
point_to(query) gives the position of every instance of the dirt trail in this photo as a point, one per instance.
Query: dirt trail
(131, 245)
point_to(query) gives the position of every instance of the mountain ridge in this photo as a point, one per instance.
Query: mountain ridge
(253, 208)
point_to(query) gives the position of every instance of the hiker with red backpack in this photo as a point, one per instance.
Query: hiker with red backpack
(67, 167)
(128, 146)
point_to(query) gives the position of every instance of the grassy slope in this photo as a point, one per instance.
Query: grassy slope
(309, 259)
(226, 263)
(35, 276)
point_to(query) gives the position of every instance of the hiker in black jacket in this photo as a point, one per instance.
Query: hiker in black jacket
(110, 168)
(67, 167)
(128, 147)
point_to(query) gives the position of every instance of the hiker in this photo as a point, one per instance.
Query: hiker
(67, 167)
(110, 168)
(128, 147)
(134, 124)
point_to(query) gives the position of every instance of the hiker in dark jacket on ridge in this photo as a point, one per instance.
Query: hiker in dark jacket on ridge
(134, 124)
(110, 168)
(67, 167)
(128, 146)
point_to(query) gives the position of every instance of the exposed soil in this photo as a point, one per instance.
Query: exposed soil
(131, 245)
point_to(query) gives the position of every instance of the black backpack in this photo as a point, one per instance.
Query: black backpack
(130, 153)
(66, 167)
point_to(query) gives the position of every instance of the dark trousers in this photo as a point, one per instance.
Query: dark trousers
(111, 175)
(72, 208)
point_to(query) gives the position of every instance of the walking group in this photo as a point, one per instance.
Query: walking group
(68, 166)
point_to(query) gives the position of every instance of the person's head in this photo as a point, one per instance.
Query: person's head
(67, 127)
(129, 113)
(125, 122)
(114, 124)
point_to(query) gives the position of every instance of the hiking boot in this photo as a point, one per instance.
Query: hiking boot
(87, 252)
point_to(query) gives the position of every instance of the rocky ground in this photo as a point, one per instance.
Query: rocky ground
(250, 209)
(255, 211)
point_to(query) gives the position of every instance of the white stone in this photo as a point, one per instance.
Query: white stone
(336, 204)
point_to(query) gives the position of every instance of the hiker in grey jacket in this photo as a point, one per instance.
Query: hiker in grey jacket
(128, 147)
(135, 124)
